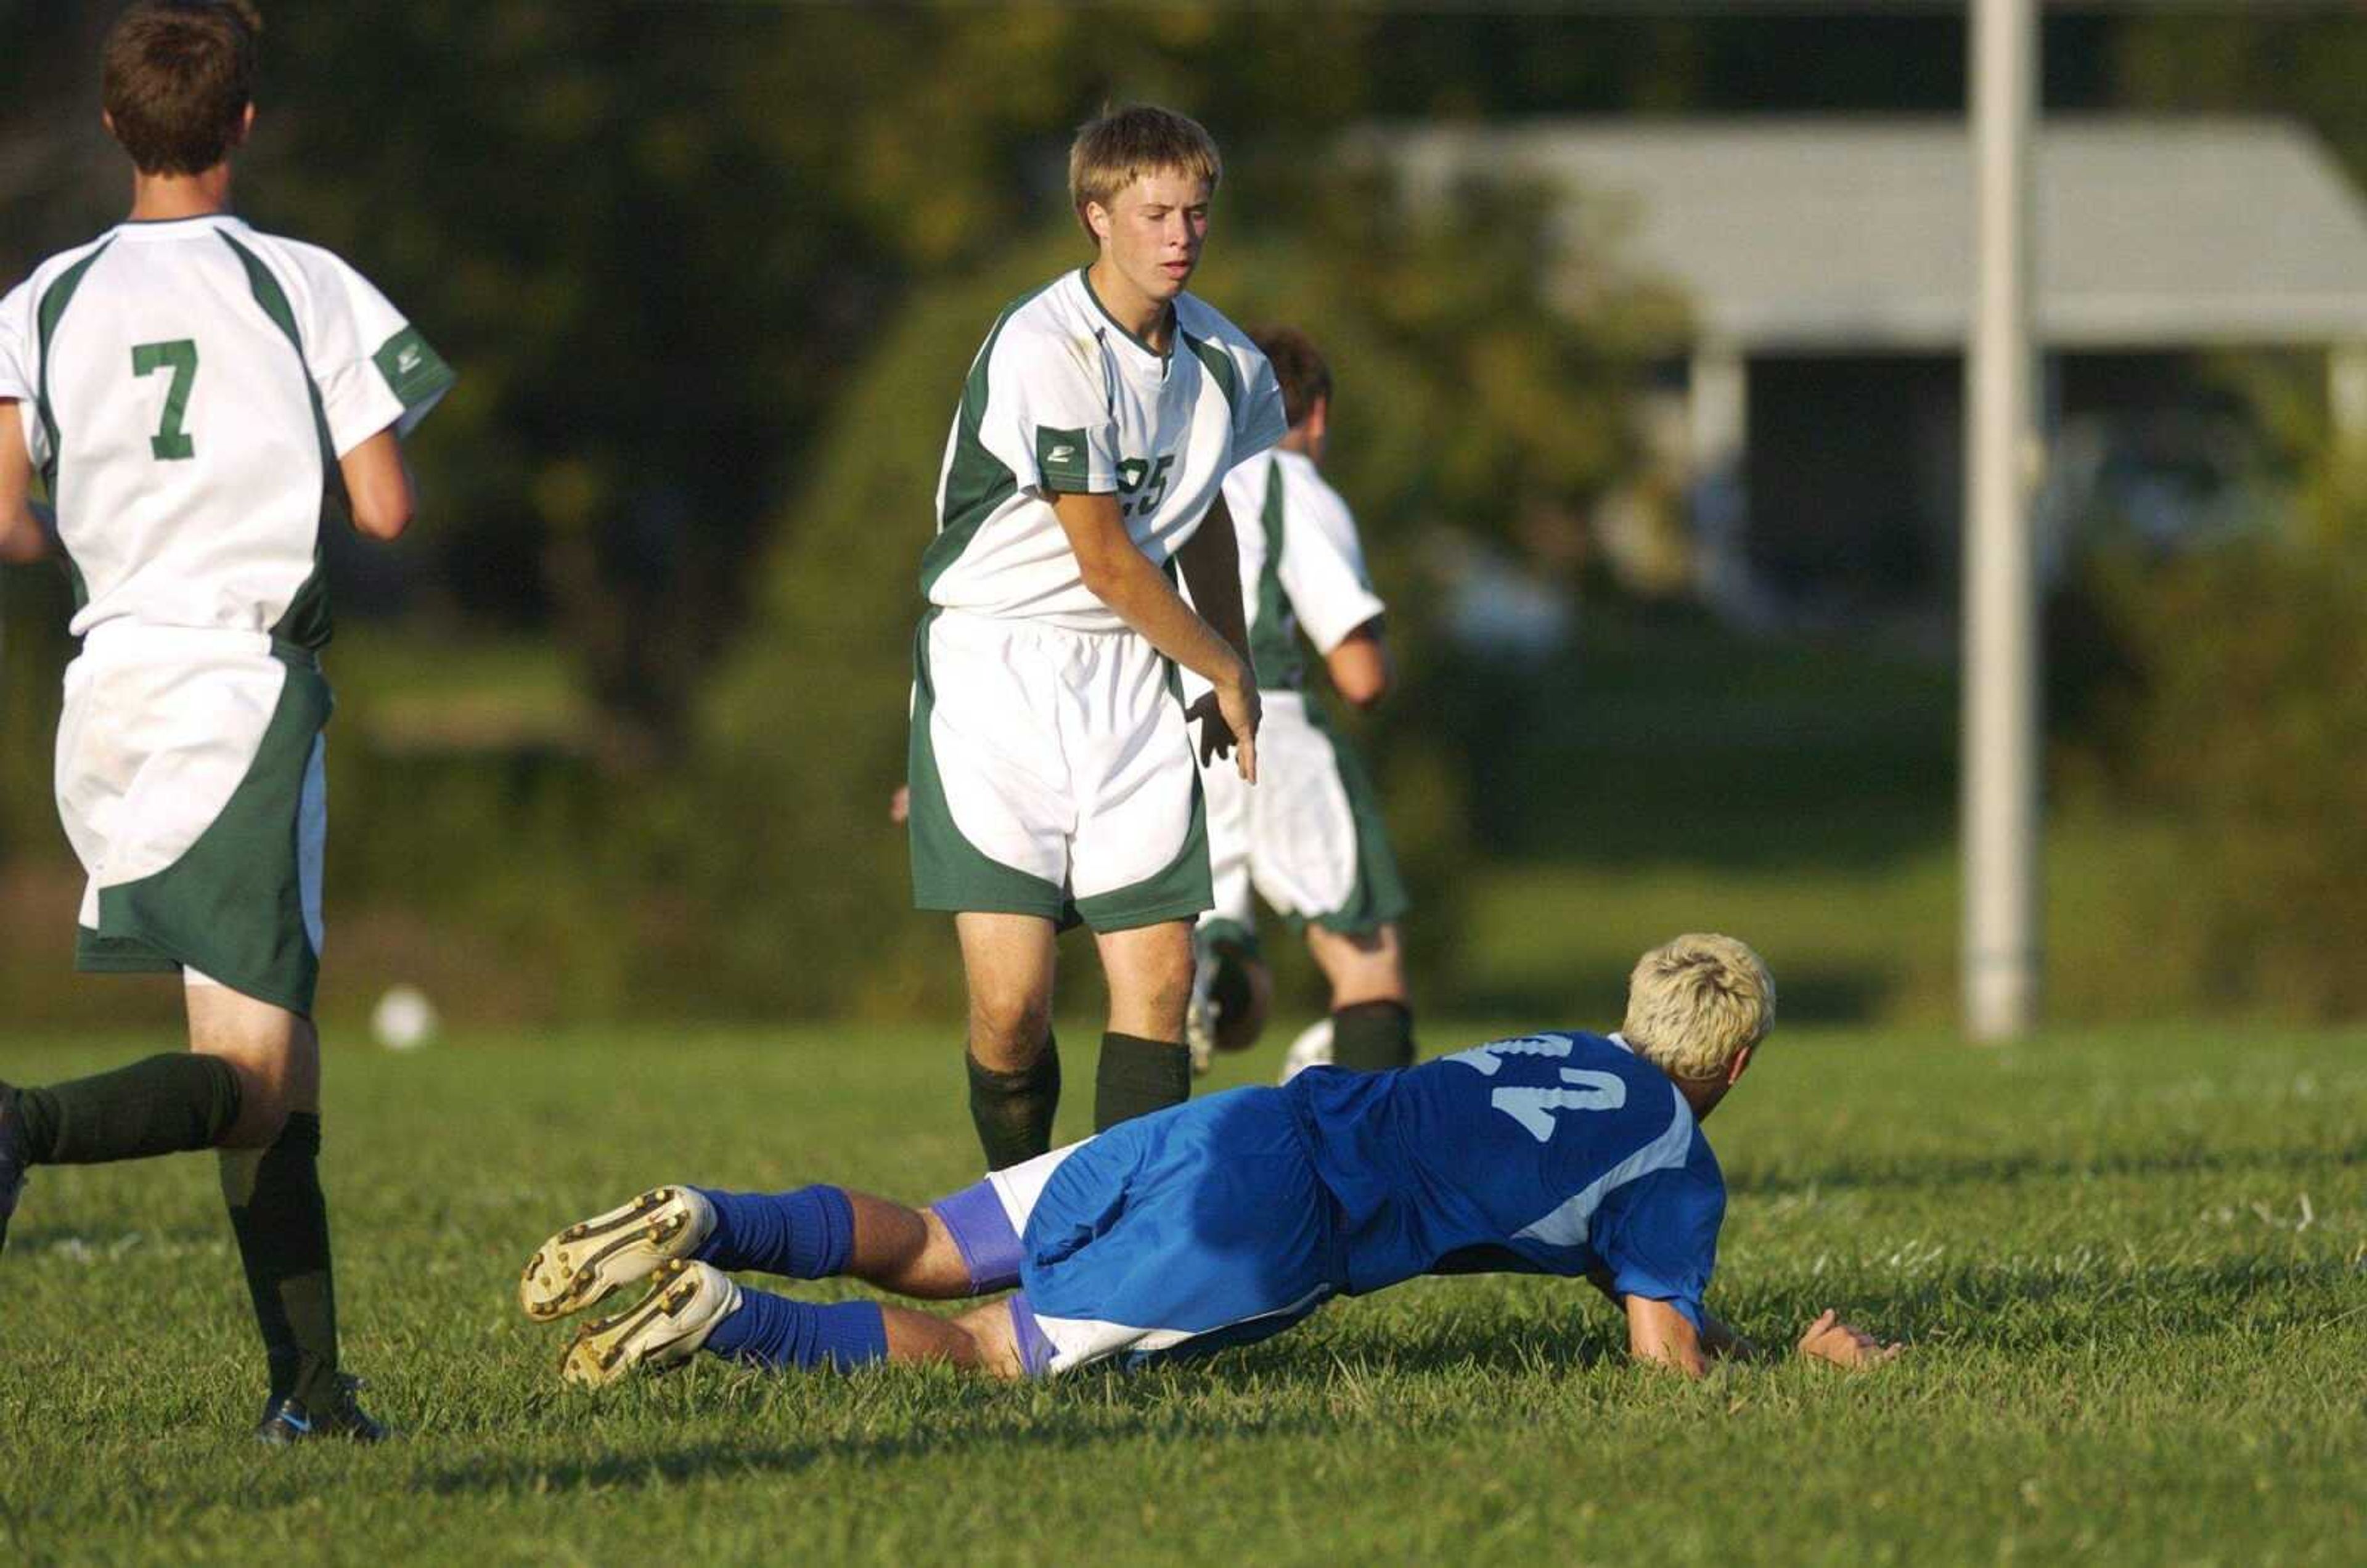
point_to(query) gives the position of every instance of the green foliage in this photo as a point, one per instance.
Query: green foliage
(2129, 1265)
(2244, 725)
(1463, 399)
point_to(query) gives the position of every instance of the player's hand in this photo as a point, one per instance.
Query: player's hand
(900, 804)
(1229, 716)
(1832, 1340)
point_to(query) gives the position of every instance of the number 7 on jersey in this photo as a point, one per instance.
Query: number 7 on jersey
(180, 356)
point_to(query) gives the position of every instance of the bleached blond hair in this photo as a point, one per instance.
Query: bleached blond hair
(1119, 146)
(1695, 1003)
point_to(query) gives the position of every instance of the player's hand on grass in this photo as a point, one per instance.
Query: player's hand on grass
(1831, 1340)
(1230, 715)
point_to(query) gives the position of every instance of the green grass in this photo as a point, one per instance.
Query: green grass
(2132, 1266)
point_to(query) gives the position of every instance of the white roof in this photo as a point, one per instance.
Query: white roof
(1852, 235)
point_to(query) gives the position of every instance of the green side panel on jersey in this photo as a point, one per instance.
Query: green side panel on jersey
(977, 482)
(306, 622)
(46, 315)
(1274, 645)
(949, 873)
(1379, 897)
(233, 906)
(415, 372)
(1221, 367)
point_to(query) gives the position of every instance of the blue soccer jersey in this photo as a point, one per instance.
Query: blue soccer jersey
(1557, 1154)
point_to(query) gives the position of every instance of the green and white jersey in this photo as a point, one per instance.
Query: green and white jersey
(1302, 565)
(188, 387)
(1061, 398)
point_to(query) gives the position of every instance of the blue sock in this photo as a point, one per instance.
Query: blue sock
(774, 1331)
(805, 1234)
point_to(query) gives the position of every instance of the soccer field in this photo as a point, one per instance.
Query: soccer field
(2133, 1267)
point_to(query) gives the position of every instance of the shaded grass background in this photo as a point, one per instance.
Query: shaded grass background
(2134, 1266)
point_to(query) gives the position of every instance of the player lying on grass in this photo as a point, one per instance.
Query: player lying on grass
(1225, 1221)
(203, 402)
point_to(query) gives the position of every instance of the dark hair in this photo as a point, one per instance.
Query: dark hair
(1298, 365)
(179, 76)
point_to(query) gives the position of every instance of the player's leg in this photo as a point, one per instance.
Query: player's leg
(808, 1233)
(1372, 1023)
(695, 1306)
(1145, 1066)
(988, 814)
(1320, 853)
(171, 1103)
(1008, 964)
(1230, 984)
(964, 1245)
(1140, 866)
(271, 1182)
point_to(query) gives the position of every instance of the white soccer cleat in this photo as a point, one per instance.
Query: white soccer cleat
(585, 1261)
(1311, 1049)
(657, 1334)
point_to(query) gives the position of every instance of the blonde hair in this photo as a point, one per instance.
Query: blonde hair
(1696, 1003)
(1119, 146)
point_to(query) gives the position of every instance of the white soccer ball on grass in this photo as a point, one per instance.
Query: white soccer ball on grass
(404, 1019)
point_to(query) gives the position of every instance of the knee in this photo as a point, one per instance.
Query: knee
(1008, 1027)
(264, 1103)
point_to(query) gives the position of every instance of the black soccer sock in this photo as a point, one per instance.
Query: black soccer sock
(161, 1106)
(1012, 1111)
(1373, 1037)
(1138, 1077)
(282, 1225)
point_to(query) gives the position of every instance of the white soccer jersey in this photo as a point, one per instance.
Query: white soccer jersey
(1063, 398)
(1302, 565)
(187, 388)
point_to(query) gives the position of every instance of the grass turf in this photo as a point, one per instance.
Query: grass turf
(2133, 1265)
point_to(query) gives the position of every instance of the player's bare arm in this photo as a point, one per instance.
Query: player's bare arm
(1211, 563)
(1658, 1332)
(378, 487)
(22, 537)
(1116, 572)
(1360, 668)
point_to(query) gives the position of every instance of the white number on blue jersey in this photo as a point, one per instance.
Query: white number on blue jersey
(1533, 1108)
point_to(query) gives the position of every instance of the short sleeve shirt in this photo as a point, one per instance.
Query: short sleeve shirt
(1302, 564)
(1062, 399)
(1560, 1153)
(189, 388)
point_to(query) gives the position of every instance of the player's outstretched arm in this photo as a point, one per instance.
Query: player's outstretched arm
(379, 486)
(1116, 572)
(22, 537)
